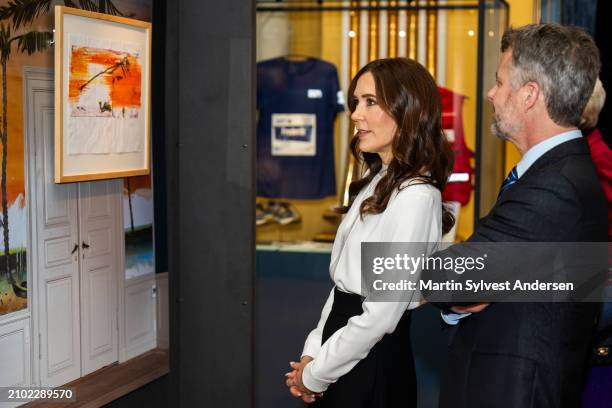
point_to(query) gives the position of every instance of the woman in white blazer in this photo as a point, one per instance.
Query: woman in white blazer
(359, 355)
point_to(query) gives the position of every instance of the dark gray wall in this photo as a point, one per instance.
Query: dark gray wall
(151, 395)
(210, 108)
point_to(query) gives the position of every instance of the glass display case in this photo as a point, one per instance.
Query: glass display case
(307, 51)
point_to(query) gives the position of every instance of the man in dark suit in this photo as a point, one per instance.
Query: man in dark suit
(521, 355)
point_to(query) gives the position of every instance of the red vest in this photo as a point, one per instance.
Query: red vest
(452, 123)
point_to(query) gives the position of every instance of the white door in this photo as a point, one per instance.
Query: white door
(57, 263)
(75, 234)
(99, 217)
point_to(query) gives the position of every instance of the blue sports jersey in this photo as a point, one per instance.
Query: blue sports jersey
(297, 102)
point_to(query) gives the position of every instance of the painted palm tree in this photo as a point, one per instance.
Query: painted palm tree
(30, 43)
(22, 13)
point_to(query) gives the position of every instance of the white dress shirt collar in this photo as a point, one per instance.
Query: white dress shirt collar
(539, 149)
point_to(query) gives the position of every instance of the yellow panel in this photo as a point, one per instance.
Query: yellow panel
(521, 13)
(392, 31)
(461, 78)
(432, 46)
(305, 33)
(373, 22)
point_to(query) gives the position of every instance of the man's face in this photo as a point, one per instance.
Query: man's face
(507, 121)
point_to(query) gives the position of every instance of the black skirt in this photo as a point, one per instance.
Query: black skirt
(385, 378)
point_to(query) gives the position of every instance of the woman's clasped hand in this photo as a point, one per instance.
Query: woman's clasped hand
(294, 381)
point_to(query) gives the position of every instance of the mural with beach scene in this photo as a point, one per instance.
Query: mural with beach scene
(13, 285)
(25, 40)
(138, 226)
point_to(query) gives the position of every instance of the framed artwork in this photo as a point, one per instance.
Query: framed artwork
(102, 96)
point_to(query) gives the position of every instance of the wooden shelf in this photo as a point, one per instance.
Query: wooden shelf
(112, 382)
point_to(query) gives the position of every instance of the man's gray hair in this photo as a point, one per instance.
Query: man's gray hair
(563, 60)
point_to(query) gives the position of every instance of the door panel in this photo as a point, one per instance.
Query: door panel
(100, 203)
(100, 243)
(58, 199)
(57, 251)
(140, 314)
(58, 265)
(98, 213)
(59, 346)
(100, 289)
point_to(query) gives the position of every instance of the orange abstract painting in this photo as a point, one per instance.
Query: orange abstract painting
(104, 83)
(105, 97)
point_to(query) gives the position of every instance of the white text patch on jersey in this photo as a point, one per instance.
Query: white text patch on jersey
(294, 134)
(315, 93)
(340, 98)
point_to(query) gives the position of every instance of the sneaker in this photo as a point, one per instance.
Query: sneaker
(270, 209)
(261, 217)
(287, 214)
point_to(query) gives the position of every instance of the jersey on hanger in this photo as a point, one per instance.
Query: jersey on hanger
(297, 103)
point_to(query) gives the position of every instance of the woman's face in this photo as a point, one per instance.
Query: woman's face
(375, 127)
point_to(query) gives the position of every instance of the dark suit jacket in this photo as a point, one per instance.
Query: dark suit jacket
(521, 355)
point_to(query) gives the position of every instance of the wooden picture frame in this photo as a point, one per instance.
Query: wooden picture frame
(102, 96)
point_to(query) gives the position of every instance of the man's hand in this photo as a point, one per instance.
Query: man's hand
(475, 308)
(295, 384)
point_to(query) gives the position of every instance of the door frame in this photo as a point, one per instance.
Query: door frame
(31, 76)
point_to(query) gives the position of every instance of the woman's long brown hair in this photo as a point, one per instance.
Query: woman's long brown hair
(408, 93)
